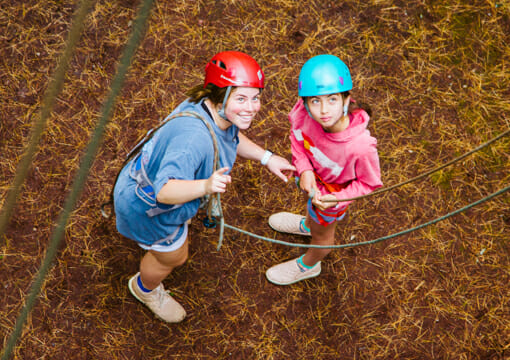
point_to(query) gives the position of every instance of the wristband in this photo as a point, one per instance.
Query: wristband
(266, 157)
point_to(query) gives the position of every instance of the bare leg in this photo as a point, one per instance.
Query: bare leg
(156, 266)
(321, 235)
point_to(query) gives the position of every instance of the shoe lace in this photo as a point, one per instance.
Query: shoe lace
(162, 295)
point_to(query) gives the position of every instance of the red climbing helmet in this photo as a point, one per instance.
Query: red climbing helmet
(233, 68)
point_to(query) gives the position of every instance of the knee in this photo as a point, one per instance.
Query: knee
(178, 258)
(170, 260)
(181, 258)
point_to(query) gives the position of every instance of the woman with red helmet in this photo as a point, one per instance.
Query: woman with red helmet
(160, 189)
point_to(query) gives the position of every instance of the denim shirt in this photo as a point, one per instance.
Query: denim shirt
(181, 149)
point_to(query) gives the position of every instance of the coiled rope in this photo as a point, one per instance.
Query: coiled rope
(213, 207)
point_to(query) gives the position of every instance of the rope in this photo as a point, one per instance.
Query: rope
(131, 46)
(371, 241)
(222, 223)
(380, 191)
(47, 105)
(139, 146)
(79, 181)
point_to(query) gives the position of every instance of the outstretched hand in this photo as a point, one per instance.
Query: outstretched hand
(277, 165)
(218, 181)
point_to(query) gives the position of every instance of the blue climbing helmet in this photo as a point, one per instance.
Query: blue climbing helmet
(324, 75)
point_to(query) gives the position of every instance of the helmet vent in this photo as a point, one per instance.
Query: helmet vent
(233, 68)
(220, 64)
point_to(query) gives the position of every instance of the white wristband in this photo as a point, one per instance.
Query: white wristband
(266, 157)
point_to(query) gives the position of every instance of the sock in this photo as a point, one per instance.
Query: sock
(303, 226)
(302, 264)
(140, 285)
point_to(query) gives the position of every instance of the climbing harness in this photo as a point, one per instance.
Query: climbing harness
(144, 188)
(79, 181)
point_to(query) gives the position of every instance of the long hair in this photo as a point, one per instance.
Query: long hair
(214, 93)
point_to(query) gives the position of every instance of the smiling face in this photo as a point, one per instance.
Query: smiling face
(328, 111)
(242, 106)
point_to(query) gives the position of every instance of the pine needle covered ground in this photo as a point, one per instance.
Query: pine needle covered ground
(437, 76)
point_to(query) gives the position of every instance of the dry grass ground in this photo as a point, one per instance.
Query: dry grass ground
(437, 76)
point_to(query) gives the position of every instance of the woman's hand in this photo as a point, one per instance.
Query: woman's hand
(277, 165)
(181, 191)
(218, 181)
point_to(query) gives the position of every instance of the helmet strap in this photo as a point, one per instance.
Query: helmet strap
(221, 112)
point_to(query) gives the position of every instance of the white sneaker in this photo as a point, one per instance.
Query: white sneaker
(290, 272)
(159, 301)
(288, 223)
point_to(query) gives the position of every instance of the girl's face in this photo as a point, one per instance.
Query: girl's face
(242, 106)
(328, 111)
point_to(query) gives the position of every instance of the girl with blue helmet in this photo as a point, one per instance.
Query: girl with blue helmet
(335, 158)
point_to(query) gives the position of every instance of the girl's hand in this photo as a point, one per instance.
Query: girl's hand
(307, 183)
(318, 201)
(218, 181)
(277, 165)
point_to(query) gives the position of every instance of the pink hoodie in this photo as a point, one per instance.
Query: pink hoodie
(347, 158)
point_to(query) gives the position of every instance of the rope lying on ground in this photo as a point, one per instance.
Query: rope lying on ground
(370, 241)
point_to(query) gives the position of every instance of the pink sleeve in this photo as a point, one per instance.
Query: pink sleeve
(368, 178)
(299, 157)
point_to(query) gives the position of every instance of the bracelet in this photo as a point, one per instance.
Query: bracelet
(266, 157)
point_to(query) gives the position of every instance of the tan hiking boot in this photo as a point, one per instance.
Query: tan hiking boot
(159, 301)
(288, 223)
(291, 272)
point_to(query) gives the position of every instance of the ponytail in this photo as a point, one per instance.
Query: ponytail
(211, 91)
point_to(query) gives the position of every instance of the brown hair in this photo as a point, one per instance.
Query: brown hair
(211, 91)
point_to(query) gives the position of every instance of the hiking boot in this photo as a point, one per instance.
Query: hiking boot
(159, 301)
(291, 272)
(288, 223)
